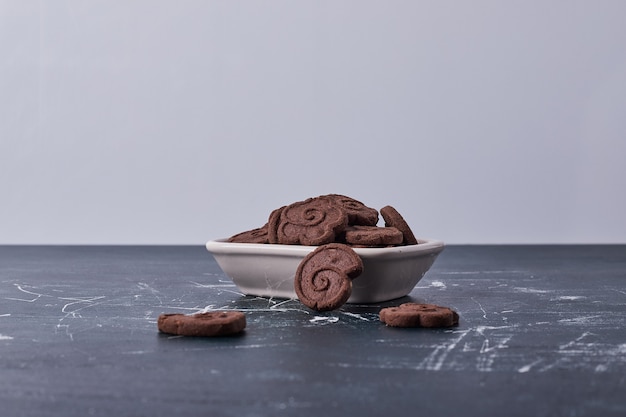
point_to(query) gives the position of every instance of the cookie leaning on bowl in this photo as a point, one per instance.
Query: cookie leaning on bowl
(323, 280)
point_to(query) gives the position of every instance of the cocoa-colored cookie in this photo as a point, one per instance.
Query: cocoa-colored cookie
(272, 225)
(314, 221)
(358, 213)
(373, 236)
(258, 235)
(394, 219)
(419, 315)
(214, 323)
(324, 277)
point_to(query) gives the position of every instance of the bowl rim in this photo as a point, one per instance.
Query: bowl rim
(223, 247)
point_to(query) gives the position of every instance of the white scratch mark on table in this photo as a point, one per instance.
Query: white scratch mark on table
(580, 320)
(573, 342)
(242, 309)
(71, 308)
(67, 330)
(260, 345)
(481, 307)
(530, 290)
(488, 354)
(199, 285)
(324, 319)
(601, 368)
(435, 360)
(276, 305)
(583, 352)
(5, 337)
(355, 315)
(528, 367)
(90, 301)
(19, 287)
(137, 352)
(239, 293)
(155, 293)
(467, 347)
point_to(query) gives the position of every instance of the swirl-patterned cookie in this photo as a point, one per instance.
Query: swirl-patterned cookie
(364, 236)
(358, 213)
(314, 221)
(258, 235)
(419, 315)
(394, 219)
(323, 280)
(214, 323)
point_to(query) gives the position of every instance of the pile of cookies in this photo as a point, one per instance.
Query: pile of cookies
(331, 218)
(335, 224)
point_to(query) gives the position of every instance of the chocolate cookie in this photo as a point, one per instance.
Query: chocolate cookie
(364, 236)
(258, 235)
(272, 225)
(419, 315)
(324, 277)
(215, 323)
(358, 213)
(315, 221)
(394, 219)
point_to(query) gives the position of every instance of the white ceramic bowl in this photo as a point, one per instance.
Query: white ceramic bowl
(268, 270)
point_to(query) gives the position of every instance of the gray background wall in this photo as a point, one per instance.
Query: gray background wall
(167, 122)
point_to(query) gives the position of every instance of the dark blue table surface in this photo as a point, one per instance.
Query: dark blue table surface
(542, 333)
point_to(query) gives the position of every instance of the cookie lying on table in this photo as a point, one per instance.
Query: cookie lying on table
(214, 323)
(419, 315)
